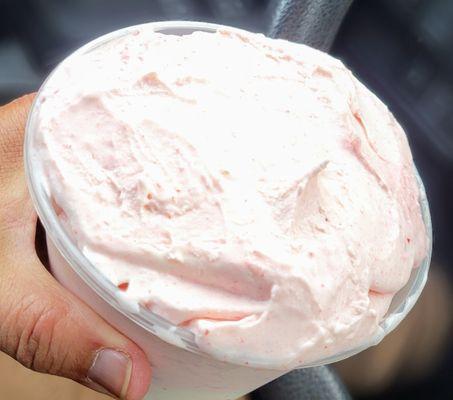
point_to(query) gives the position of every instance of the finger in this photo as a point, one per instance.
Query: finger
(13, 118)
(41, 325)
(13, 189)
(49, 330)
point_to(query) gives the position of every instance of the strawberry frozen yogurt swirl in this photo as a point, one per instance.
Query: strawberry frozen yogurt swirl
(250, 190)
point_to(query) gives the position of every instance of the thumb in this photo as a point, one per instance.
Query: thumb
(47, 329)
(42, 325)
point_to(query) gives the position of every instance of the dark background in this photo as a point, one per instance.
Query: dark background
(402, 50)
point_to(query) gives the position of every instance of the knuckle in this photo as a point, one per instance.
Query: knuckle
(33, 338)
(35, 342)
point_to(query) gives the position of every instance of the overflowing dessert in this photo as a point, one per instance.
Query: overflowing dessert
(250, 190)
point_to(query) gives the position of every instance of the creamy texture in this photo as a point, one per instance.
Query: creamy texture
(250, 190)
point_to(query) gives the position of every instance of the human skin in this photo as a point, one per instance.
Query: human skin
(42, 325)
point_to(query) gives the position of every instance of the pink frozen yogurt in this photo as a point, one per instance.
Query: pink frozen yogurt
(250, 190)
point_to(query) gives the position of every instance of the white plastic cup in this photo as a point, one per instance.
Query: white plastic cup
(180, 369)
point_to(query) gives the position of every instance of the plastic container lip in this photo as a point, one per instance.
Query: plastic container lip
(401, 304)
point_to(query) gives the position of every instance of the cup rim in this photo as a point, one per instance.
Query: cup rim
(146, 319)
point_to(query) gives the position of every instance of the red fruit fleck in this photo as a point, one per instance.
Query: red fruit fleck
(123, 286)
